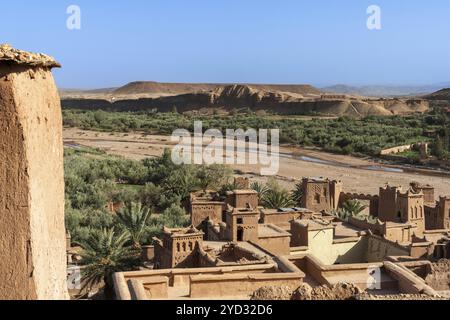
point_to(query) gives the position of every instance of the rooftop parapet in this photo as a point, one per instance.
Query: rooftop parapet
(18, 57)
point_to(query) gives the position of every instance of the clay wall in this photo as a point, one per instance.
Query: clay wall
(408, 282)
(396, 150)
(241, 198)
(279, 246)
(33, 238)
(180, 277)
(201, 211)
(372, 199)
(379, 248)
(239, 285)
(280, 218)
(387, 206)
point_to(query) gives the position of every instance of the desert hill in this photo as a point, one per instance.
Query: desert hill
(152, 88)
(443, 94)
(383, 91)
(255, 97)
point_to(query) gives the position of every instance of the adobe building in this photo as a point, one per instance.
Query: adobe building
(243, 198)
(320, 194)
(244, 252)
(427, 190)
(205, 206)
(392, 231)
(437, 216)
(242, 224)
(231, 254)
(178, 248)
(411, 210)
(443, 209)
(209, 206)
(33, 238)
(403, 207)
(242, 183)
(387, 206)
(283, 216)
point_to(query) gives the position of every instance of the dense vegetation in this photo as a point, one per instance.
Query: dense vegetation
(344, 135)
(94, 179)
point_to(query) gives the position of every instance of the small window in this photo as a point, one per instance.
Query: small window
(240, 220)
(317, 198)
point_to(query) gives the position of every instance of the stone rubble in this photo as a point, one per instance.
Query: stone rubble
(15, 56)
(272, 293)
(339, 291)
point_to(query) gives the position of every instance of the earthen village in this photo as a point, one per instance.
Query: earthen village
(237, 249)
(330, 245)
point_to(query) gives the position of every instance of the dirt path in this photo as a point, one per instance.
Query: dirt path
(358, 175)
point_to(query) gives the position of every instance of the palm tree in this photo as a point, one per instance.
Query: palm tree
(134, 219)
(353, 207)
(297, 194)
(341, 214)
(231, 186)
(275, 199)
(261, 189)
(181, 182)
(104, 253)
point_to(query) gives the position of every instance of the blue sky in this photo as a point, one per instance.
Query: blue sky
(321, 42)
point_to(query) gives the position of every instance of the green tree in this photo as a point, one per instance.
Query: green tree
(261, 189)
(181, 182)
(213, 176)
(174, 217)
(134, 218)
(353, 208)
(105, 253)
(275, 199)
(297, 193)
(438, 149)
(341, 214)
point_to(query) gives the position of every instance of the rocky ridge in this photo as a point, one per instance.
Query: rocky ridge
(20, 57)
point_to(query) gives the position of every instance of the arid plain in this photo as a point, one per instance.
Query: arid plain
(358, 174)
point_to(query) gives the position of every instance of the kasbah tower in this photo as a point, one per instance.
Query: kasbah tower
(32, 232)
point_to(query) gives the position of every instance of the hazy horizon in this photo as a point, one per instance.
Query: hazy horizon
(322, 43)
(319, 86)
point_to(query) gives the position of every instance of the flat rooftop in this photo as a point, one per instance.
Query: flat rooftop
(243, 191)
(286, 210)
(346, 230)
(270, 230)
(314, 224)
(218, 245)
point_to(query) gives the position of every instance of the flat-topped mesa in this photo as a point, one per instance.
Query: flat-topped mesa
(14, 56)
(32, 234)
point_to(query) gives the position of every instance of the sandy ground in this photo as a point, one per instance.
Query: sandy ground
(358, 175)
